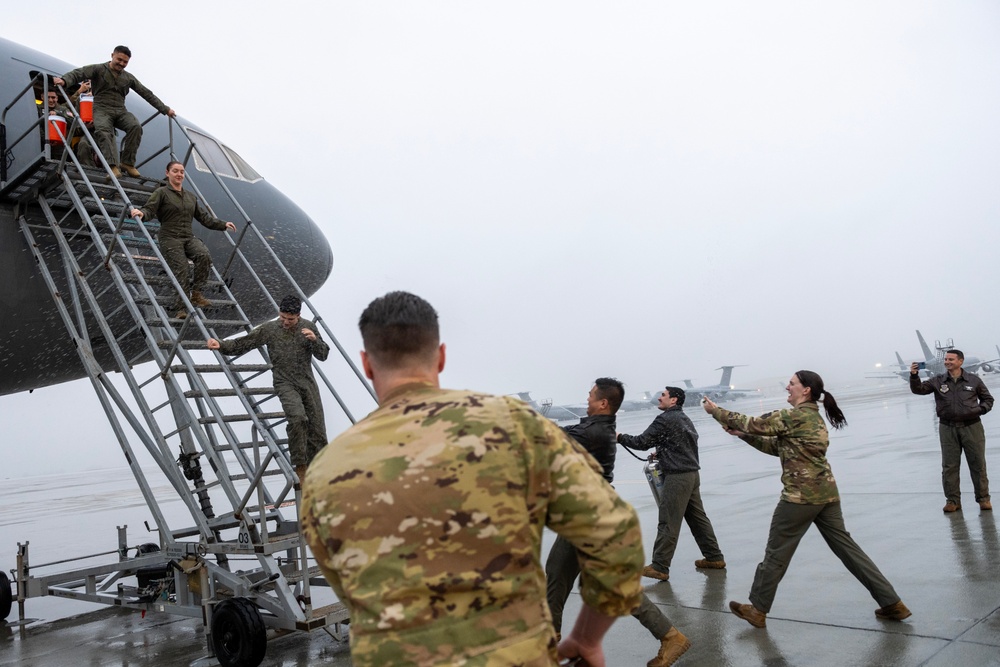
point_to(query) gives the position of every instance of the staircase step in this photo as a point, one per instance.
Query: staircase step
(132, 241)
(220, 393)
(161, 279)
(216, 368)
(249, 445)
(241, 417)
(197, 344)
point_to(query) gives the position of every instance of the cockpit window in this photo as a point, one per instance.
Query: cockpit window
(223, 159)
(248, 172)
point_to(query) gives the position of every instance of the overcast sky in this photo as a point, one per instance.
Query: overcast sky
(644, 190)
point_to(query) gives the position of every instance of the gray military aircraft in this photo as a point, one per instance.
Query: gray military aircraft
(723, 391)
(29, 354)
(572, 411)
(934, 361)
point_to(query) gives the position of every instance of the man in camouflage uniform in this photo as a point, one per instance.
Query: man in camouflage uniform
(292, 341)
(676, 442)
(961, 400)
(426, 517)
(176, 208)
(111, 83)
(596, 433)
(798, 437)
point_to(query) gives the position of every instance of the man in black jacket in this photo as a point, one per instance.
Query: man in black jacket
(961, 400)
(596, 433)
(676, 442)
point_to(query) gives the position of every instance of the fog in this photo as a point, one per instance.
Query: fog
(643, 190)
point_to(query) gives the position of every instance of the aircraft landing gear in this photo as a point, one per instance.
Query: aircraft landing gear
(238, 633)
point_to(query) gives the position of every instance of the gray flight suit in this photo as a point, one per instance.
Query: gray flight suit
(291, 353)
(109, 90)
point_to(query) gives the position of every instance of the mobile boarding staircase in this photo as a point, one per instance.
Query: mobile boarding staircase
(209, 425)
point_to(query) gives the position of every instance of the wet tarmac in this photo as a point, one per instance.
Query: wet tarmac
(887, 464)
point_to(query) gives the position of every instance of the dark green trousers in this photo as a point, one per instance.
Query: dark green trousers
(680, 501)
(105, 123)
(561, 570)
(789, 523)
(177, 252)
(970, 440)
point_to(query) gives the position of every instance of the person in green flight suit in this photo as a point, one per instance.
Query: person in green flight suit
(111, 83)
(292, 341)
(175, 208)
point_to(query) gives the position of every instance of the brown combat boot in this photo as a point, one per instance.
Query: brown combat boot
(198, 300)
(950, 507)
(115, 171)
(131, 170)
(893, 612)
(985, 505)
(672, 646)
(653, 573)
(710, 564)
(749, 613)
(181, 315)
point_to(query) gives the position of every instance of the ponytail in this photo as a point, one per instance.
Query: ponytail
(815, 383)
(833, 411)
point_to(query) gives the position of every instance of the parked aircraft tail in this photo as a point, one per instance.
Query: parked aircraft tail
(727, 374)
(928, 355)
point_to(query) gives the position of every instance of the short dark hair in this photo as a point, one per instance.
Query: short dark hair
(678, 393)
(398, 327)
(123, 49)
(957, 353)
(172, 163)
(611, 390)
(291, 304)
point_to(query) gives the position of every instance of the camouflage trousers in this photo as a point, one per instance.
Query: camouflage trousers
(970, 440)
(789, 523)
(680, 501)
(306, 424)
(561, 570)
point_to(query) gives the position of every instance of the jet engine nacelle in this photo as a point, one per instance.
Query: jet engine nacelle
(987, 368)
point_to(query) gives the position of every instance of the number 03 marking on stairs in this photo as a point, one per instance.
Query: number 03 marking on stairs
(244, 537)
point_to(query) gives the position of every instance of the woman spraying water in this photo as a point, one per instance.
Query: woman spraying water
(799, 438)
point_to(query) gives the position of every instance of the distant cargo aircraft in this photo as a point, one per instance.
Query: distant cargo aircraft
(723, 391)
(572, 411)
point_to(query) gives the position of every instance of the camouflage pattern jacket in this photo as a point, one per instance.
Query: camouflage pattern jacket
(426, 517)
(290, 352)
(109, 89)
(800, 439)
(175, 211)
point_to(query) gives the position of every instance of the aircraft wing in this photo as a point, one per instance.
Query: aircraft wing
(988, 366)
